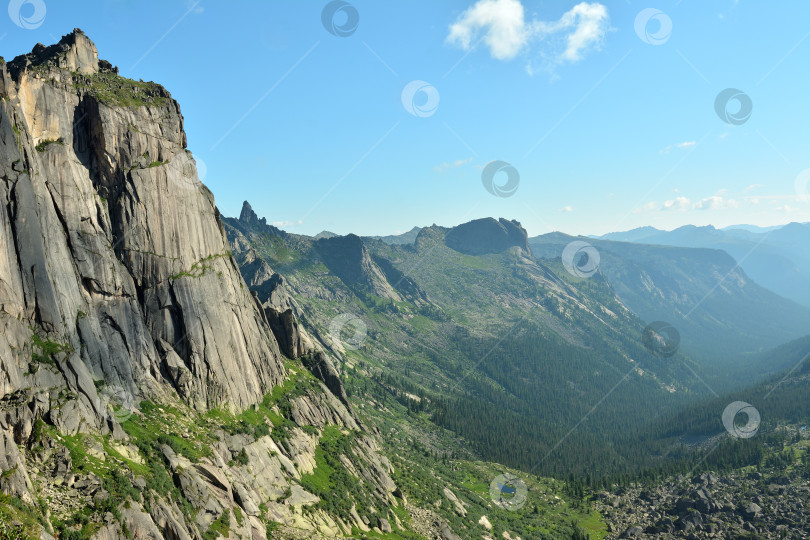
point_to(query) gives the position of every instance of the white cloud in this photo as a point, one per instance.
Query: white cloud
(287, 223)
(716, 202)
(507, 33)
(784, 208)
(681, 145)
(649, 207)
(451, 165)
(588, 24)
(709, 203)
(683, 204)
(679, 203)
(568, 208)
(752, 186)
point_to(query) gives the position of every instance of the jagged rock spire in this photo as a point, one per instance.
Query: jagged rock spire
(248, 215)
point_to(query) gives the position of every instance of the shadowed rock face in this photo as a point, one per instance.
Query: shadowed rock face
(348, 258)
(487, 235)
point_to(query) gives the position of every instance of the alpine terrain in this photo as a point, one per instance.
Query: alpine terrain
(169, 372)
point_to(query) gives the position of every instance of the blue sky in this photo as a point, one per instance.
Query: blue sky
(606, 130)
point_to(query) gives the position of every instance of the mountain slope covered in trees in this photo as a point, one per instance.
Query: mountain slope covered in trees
(723, 316)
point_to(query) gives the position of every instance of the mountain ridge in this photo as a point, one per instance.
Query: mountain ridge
(169, 372)
(777, 259)
(720, 311)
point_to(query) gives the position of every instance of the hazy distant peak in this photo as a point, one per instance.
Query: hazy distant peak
(400, 239)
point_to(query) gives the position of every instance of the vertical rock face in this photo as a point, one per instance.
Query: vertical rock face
(116, 286)
(109, 244)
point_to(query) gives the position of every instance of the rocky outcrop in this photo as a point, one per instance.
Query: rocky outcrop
(487, 235)
(119, 296)
(249, 217)
(287, 331)
(348, 259)
(403, 284)
(113, 243)
(74, 53)
(269, 290)
(282, 313)
(711, 505)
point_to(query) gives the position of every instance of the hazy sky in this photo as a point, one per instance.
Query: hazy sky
(606, 112)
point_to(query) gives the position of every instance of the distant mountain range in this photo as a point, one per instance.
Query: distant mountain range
(391, 239)
(778, 258)
(490, 334)
(751, 228)
(721, 314)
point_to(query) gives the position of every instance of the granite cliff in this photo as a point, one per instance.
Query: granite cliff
(132, 353)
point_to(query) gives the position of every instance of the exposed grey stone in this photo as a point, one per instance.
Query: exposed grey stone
(13, 475)
(113, 251)
(385, 526)
(750, 510)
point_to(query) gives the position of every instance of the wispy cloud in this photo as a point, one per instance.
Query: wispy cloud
(568, 208)
(194, 6)
(683, 204)
(584, 26)
(678, 203)
(723, 200)
(287, 223)
(709, 203)
(649, 207)
(506, 32)
(715, 202)
(451, 165)
(680, 145)
(776, 198)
